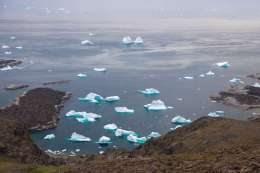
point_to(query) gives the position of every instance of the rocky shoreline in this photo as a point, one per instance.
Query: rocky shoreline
(11, 63)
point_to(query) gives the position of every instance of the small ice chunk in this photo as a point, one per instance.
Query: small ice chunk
(139, 40)
(156, 105)
(216, 114)
(122, 132)
(85, 119)
(75, 114)
(77, 150)
(136, 139)
(110, 127)
(112, 98)
(154, 135)
(19, 47)
(236, 81)
(5, 47)
(100, 69)
(12, 37)
(176, 127)
(150, 91)
(124, 110)
(79, 138)
(104, 140)
(8, 52)
(7, 68)
(81, 75)
(92, 98)
(180, 120)
(93, 115)
(49, 137)
(127, 40)
(188, 77)
(87, 42)
(257, 85)
(223, 64)
(202, 75)
(101, 152)
(91, 34)
(210, 73)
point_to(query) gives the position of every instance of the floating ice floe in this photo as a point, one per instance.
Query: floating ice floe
(136, 139)
(123, 133)
(91, 34)
(100, 69)
(150, 91)
(110, 127)
(202, 75)
(104, 140)
(188, 77)
(216, 114)
(12, 37)
(139, 40)
(5, 47)
(153, 135)
(112, 98)
(236, 81)
(156, 105)
(180, 120)
(7, 68)
(124, 110)
(77, 150)
(8, 53)
(176, 127)
(75, 114)
(210, 73)
(257, 85)
(223, 64)
(127, 40)
(49, 137)
(87, 42)
(92, 98)
(81, 75)
(19, 47)
(79, 138)
(83, 117)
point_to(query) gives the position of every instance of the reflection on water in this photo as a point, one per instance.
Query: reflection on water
(52, 51)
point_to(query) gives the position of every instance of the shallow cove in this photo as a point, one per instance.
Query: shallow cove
(53, 52)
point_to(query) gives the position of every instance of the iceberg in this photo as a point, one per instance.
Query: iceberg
(139, 40)
(7, 68)
(5, 47)
(257, 85)
(19, 47)
(122, 132)
(180, 120)
(153, 135)
(81, 75)
(92, 98)
(100, 69)
(8, 52)
(223, 64)
(176, 127)
(93, 115)
(85, 119)
(210, 73)
(236, 81)
(104, 140)
(202, 75)
(112, 98)
(87, 42)
(127, 40)
(188, 77)
(216, 114)
(79, 138)
(156, 105)
(110, 127)
(49, 137)
(150, 91)
(124, 110)
(136, 139)
(75, 114)
(12, 37)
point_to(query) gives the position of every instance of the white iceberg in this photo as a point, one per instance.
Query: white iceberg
(153, 135)
(210, 73)
(93, 115)
(112, 98)
(7, 68)
(100, 69)
(216, 114)
(139, 40)
(110, 127)
(124, 110)
(176, 127)
(223, 64)
(85, 119)
(8, 53)
(127, 40)
(5, 47)
(122, 132)
(236, 81)
(202, 75)
(12, 37)
(188, 77)
(75, 114)
(104, 140)
(180, 120)
(150, 91)
(92, 98)
(81, 75)
(19, 47)
(79, 138)
(49, 137)
(257, 85)
(156, 105)
(87, 42)
(136, 139)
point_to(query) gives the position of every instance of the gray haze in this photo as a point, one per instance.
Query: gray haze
(180, 8)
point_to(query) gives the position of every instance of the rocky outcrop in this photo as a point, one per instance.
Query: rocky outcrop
(11, 63)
